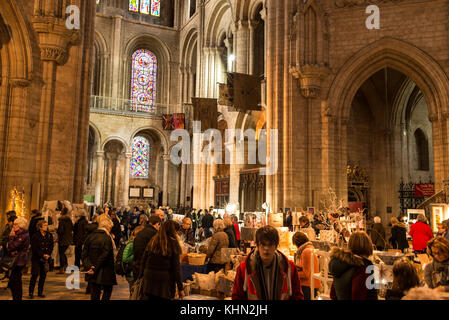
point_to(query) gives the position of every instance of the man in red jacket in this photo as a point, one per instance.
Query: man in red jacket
(421, 233)
(267, 274)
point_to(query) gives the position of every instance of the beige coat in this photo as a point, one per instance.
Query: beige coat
(218, 241)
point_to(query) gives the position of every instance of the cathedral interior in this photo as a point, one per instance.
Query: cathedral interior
(86, 88)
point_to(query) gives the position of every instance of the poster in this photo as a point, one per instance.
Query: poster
(134, 192)
(178, 121)
(148, 192)
(424, 190)
(167, 122)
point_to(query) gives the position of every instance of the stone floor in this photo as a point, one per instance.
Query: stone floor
(55, 289)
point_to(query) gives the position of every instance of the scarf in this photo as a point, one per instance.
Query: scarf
(112, 240)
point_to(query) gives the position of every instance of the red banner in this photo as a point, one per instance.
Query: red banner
(179, 120)
(424, 190)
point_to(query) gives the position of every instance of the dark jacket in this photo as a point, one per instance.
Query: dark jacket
(98, 252)
(32, 228)
(162, 274)
(248, 284)
(116, 230)
(65, 230)
(350, 275)
(188, 235)
(230, 231)
(19, 245)
(219, 241)
(378, 235)
(399, 237)
(436, 274)
(140, 243)
(41, 245)
(5, 236)
(394, 295)
(80, 231)
(207, 221)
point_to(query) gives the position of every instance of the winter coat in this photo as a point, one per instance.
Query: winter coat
(98, 252)
(378, 235)
(399, 237)
(80, 231)
(350, 275)
(128, 255)
(140, 243)
(65, 231)
(248, 284)
(421, 234)
(162, 274)
(116, 231)
(446, 236)
(41, 245)
(207, 221)
(218, 241)
(230, 231)
(5, 236)
(32, 228)
(19, 245)
(188, 235)
(303, 260)
(436, 274)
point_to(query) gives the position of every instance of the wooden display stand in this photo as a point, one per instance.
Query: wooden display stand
(323, 275)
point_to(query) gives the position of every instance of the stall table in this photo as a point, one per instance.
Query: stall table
(188, 270)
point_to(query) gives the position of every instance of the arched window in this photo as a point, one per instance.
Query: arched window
(422, 149)
(143, 80)
(146, 6)
(140, 157)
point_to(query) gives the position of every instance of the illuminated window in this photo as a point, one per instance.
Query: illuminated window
(143, 80)
(145, 6)
(140, 157)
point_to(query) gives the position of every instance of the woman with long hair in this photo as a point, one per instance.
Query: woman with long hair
(405, 277)
(161, 268)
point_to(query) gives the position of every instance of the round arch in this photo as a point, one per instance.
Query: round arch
(97, 135)
(117, 138)
(164, 141)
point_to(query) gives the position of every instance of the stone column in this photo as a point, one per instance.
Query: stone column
(183, 185)
(126, 178)
(252, 27)
(116, 48)
(166, 158)
(109, 190)
(99, 179)
(242, 46)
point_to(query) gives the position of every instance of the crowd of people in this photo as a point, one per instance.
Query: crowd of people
(144, 246)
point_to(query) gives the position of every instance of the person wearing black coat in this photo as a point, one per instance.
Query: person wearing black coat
(79, 236)
(41, 249)
(230, 231)
(65, 238)
(91, 227)
(32, 228)
(398, 237)
(207, 223)
(98, 258)
(161, 267)
(141, 242)
(116, 229)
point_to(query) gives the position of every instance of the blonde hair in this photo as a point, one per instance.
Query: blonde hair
(394, 221)
(219, 225)
(21, 222)
(105, 223)
(227, 221)
(360, 244)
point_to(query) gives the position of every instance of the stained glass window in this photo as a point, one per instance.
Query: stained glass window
(156, 7)
(145, 6)
(140, 157)
(143, 80)
(134, 5)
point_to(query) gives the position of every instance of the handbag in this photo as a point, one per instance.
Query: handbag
(137, 290)
(8, 262)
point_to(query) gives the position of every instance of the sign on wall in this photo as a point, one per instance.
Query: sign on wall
(424, 190)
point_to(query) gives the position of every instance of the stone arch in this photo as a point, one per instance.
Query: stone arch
(421, 68)
(120, 139)
(253, 9)
(399, 55)
(164, 141)
(213, 25)
(188, 42)
(16, 48)
(164, 57)
(97, 135)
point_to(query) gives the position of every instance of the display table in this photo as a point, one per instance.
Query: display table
(188, 270)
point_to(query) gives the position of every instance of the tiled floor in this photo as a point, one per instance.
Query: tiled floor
(55, 289)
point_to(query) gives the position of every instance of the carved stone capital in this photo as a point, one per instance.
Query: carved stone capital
(54, 37)
(309, 77)
(20, 82)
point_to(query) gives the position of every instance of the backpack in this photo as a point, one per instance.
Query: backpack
(122, 269)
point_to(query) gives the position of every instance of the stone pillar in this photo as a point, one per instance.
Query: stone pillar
(183, 186)
(234, 171)
(109, 179)
(99, 179)
(116, 48)
(166, 158)
(242, 46)
(213, 173)
(126, 178)
(252, 27)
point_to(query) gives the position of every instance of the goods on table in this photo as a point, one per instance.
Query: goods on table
(276, 220)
